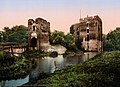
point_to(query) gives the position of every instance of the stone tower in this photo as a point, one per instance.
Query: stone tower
(38, 34)
(89, 32)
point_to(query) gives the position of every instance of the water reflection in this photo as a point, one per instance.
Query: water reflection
(14, 83)
(49, 64)
(88, 55)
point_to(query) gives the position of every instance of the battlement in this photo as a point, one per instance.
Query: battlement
(91, 18)
(89, 31)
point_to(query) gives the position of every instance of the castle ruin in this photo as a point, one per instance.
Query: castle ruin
(38, 34)
(88, 32)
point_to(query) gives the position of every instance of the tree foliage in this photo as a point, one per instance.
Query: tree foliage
(15, 34)
(58, 37)
(111, 41)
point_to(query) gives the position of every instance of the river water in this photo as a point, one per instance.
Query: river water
(49, 64)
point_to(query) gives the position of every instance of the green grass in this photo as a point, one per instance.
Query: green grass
(100, 71)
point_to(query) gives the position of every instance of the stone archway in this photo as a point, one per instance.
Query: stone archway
(33, 42)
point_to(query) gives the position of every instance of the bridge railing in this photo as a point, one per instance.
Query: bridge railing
(10, 46)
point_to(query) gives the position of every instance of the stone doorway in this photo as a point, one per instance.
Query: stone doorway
(34, 42)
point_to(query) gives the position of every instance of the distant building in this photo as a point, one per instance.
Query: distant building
(38, 34)
(89, 32)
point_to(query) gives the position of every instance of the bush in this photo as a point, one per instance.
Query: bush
(6, 59)
(12, 67)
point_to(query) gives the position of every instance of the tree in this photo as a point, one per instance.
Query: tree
(111, 41)
(58, 37)
(69, 43)
(107, 46)
(15, 34)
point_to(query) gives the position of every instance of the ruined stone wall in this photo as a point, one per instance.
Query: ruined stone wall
(90, 31)
(40, 30)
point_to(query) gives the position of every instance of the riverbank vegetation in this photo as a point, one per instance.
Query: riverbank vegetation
(100, 71)
(38, 53)
(12, 67)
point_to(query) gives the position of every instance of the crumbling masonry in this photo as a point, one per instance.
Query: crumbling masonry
(89, 33)
(38, 34)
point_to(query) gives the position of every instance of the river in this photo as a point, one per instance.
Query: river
(49, 64)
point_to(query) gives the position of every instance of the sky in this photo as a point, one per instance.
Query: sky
(60, 13)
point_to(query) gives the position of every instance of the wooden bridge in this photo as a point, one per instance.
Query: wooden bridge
(12, 47)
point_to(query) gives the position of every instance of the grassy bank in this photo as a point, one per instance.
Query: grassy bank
(12, 67)
(101, 71)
